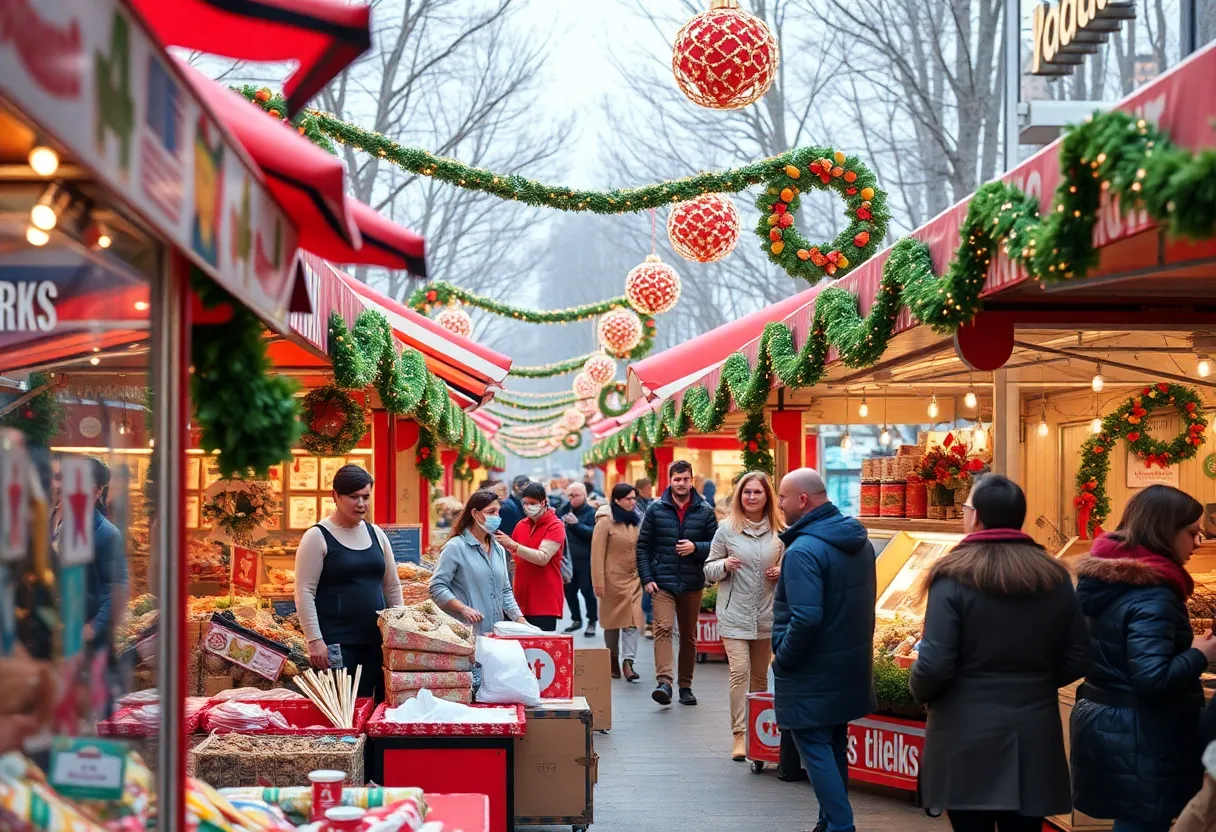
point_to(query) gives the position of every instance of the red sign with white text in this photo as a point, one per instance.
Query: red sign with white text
(886, 751)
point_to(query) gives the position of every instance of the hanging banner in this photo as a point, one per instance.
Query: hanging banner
(87, 72)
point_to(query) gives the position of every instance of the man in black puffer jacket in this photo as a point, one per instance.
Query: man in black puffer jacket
(673, 544)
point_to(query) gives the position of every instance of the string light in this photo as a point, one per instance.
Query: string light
(36, 236)
(1098, 382)
(863, 410)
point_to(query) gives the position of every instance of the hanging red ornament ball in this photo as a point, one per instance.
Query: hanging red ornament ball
(620, 330)
(585, 387)
(652, 287)
(454, 319)
(704, 229)
(725, 58)
(601, 368)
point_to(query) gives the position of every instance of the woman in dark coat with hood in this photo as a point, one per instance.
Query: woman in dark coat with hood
(1135, 727)
(1003, 632)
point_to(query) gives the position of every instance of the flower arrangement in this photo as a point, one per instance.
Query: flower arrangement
(240, 509)
(948, 466)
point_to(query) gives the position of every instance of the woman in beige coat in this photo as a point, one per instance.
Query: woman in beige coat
(745, 558)
(614, 576)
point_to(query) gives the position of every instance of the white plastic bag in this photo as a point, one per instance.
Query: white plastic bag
(506, 678)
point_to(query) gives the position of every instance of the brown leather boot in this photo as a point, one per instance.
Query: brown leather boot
(615, 665)
(628, 672)
(739, 751)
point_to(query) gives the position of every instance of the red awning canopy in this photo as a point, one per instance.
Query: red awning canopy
(323, 36)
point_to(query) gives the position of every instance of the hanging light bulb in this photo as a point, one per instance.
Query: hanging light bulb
(95, 360)
(979, 437)
(1204, 367)
(846, 442)
(970, 400)
(933, 408)
(122, 429)
(1098, 382)
(863, 410)
(1043, 420)
(44, 160)
(884, 438)
(36, 236)
(1096, 425)
(46, 211)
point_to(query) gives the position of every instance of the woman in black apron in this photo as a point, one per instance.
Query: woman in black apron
(345, 574)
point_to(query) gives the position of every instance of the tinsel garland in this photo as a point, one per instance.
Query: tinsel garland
(557, 368)
(786, 173)
(440, 293)
(461, 470)
(561, 401)
(755, 441)
(366, 356)
(510, 418)
(426, 455)
(41, 417)
(247, 414)
(1126, 422)
(1113, 151)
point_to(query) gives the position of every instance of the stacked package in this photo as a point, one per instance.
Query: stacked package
(425, 648)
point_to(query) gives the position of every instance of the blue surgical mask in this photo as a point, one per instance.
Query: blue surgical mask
(491, 523)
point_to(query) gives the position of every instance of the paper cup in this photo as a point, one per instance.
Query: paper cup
(344, 818)
(326, 791)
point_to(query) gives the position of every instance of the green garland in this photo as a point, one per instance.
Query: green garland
(557, 368)
(41, 417)
(247, 414)
(338, 439)
(461, 470)
(1113, 151)
(618, 390)
(756, 442)
(440, 293)
(366, 355)
(561, 400)
(426, 455)
(572, 440)
(786, 172)
(511, 419)
(1091, 501)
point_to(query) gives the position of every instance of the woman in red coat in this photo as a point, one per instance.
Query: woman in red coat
(537, 545)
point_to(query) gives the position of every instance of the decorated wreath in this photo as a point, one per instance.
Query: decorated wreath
(1127, 423)
(240, 509)
(335, 421)
(613, 399)
(572, 440)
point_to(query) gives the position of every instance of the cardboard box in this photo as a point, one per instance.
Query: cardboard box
(593, 681)
(551, 657)
(555, 766)
(212, 685)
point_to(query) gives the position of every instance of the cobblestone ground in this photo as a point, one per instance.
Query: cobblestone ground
(669, 768)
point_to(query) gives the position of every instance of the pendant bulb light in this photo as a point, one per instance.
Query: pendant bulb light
(884, 438)
(1098, 382)
(1204, 367)
(970, 400)
(933, 408)
(1095, 426)
(846, 441)
(1043, 420)
(979, 437)
(863, 410)
(44, 160)
(36, 236)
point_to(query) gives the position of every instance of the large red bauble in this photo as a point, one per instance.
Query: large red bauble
(704, 229)
(652, 287)
(454, 319)
(725, 58)
(620, 330)
(601, 368)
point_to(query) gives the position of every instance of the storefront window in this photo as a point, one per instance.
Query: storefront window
(79, 569)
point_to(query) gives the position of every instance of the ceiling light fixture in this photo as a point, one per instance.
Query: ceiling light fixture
(44, 160)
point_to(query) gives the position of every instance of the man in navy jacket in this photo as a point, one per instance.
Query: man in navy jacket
(579, 516)
(823, 638)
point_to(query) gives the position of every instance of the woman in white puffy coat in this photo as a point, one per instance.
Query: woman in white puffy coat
(745, 559)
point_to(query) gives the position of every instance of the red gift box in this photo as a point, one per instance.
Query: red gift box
(377, 726)
(304, 719)
(551, 658)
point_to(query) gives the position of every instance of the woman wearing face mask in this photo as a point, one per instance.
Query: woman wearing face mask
(745, 558)
(1136, 747)
(471, 581)
(537, 544)
(345, 574)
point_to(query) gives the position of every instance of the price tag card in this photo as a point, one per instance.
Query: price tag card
(86, 768)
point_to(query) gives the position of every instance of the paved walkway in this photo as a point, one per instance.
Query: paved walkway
(669, 768)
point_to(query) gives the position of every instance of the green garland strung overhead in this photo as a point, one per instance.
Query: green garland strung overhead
(1113, 151)
(1127, 423)
(562, 401)
(366, 356)
(557, 368)
(784, 176)
(440, 293)
(511, 419)
(40, 417)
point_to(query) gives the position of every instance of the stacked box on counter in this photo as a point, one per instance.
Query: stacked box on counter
(425, 648)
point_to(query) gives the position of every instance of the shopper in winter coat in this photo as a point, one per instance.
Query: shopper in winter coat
(823, 637)
(614, 574)
(579, 516)
(673, 544)
(1003, 632)
(537, 544)
(744, 559)
(1135, 727)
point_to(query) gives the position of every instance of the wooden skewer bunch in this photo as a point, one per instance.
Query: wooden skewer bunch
(334, 692)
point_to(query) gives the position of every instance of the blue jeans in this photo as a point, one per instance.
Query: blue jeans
(1137, 826)
(824, 752)
(647, 607)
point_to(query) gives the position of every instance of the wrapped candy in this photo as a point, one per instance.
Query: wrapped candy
(296, 801)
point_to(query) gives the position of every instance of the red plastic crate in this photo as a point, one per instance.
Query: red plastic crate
(378, 727)
(301, 715)
(116, 727)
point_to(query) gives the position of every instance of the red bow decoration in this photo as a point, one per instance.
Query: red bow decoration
(1160, 460)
